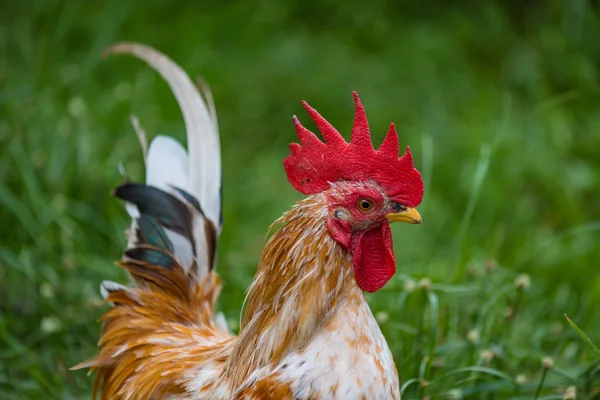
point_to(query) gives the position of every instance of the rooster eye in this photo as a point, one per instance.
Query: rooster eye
(365, 204)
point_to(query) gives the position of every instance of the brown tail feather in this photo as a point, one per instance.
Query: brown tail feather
(157, 333)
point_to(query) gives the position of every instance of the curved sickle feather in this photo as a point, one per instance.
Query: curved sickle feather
(202, 133)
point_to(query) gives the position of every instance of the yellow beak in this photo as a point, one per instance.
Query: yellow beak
(410, 215)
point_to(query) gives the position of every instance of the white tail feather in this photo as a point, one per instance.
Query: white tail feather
(167, 164)
(109, 286)
(183, 251)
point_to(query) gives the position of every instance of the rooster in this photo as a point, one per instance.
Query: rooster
(307, 332)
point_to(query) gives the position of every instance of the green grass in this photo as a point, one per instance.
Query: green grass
(498, 101)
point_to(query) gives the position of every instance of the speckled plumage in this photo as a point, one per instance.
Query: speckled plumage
(307, 332)
(308, 321)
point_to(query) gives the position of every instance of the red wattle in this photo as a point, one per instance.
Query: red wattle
(373, 256)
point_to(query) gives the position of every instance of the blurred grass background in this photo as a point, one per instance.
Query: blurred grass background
(498, 101)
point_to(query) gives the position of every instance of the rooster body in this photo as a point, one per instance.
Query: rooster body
(307, 332)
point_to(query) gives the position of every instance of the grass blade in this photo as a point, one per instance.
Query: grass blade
(583, 336)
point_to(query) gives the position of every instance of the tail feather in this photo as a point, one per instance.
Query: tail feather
(173, 222)
(156, 330)
(156, 337)
(195, 178)
(167, 164)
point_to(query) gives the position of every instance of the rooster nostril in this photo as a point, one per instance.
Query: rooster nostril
(397, 207)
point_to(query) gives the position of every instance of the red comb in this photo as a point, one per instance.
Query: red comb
(313, 165)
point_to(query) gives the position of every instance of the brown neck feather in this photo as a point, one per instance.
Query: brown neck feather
(301, 277)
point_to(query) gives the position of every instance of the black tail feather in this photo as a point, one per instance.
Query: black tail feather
(170, 212)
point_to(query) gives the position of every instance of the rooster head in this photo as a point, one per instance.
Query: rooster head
(365, 189)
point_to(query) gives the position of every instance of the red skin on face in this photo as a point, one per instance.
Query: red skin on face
(366, 234)
(349, 172)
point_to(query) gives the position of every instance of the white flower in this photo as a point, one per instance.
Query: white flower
(473, 336)
(50, 324)
(409, 285)
(547, 362)
(46, 290)
(570, 393)
(382, 317)
(487, 355)
(523, 281)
